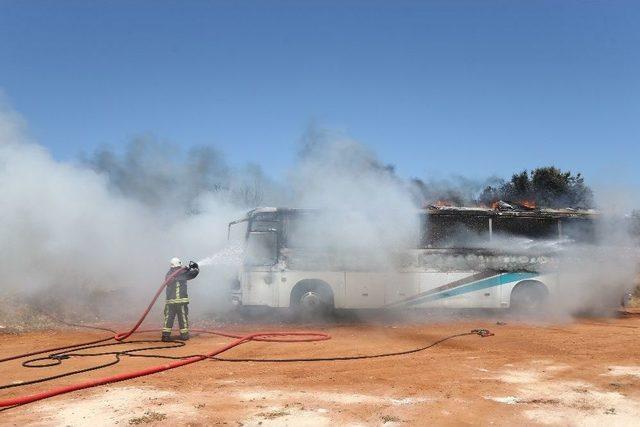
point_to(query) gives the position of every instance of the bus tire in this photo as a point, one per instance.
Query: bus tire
(311, 299)
(530, 297)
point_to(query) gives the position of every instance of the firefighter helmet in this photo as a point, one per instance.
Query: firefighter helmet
(175, 262)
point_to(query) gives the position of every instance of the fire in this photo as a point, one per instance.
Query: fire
(498, 205)
(529, 204)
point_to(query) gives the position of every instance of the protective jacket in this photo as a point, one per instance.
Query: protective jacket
(177, 292)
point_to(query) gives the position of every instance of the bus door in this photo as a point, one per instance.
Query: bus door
(260, 286)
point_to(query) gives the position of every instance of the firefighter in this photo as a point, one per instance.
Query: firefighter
(177, 303)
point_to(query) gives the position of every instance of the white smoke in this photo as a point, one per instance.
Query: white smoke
(595, 273)
(336, 173)
(112, 223)
(64, 233)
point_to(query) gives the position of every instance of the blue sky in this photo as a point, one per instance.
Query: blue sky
(434, 87)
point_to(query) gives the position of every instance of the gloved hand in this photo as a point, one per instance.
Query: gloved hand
(193, 265)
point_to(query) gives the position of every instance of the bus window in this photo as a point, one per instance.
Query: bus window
(262, 249)
(535, 228)
(445, 231)
(264, 221)
(306, 230)
(579, 229)
(323, 230)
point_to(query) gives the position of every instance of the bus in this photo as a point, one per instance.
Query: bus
(460, 258)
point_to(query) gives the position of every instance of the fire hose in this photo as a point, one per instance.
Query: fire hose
(58, 354)
(260, 336)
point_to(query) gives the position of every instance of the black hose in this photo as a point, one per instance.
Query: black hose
(57, 359)
(314, 359)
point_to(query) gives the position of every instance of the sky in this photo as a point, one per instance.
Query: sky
(436, 88)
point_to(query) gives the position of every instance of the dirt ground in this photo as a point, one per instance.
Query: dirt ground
(578, 372)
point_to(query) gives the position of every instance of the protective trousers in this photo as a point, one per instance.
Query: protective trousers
(170, 313)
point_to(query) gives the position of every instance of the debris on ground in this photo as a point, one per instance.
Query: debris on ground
(148, 417)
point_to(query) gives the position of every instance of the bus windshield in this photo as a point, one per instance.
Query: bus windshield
(262, 248)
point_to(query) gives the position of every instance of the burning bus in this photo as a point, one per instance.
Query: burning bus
(459, 258)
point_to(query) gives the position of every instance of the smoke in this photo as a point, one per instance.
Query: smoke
(595, 273)
(159, 175)
(596, 270)
(338, 174)
(104, 228)
(454, 190)
(106, 225)
(66, 235)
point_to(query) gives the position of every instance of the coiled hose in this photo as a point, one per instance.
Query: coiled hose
(56, 355)
(239, 339)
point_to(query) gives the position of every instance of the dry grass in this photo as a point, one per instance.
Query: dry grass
(390, 419)
(148, 417)
(273, 414)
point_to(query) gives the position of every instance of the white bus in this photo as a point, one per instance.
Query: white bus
(461, 260)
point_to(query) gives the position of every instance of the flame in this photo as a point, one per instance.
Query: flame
(443, 203)
(529, 204)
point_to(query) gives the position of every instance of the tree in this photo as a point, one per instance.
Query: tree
(547, 187)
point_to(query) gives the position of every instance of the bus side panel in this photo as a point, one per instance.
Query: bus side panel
(400, 286)
(427, 281)
(375, 289)
(365, 289)
(287, 280)
(259, 288)
(464, 296)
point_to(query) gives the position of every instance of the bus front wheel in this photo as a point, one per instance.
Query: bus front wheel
(311, 299)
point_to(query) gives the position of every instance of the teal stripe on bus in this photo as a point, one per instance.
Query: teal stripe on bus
(489, 282)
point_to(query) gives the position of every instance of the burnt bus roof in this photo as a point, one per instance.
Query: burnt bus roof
(466, 211)
(514, 213)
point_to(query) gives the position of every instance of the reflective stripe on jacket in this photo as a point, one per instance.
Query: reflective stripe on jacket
(177, 292)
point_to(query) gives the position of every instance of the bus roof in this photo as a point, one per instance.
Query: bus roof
(505, 211)
(512, 211)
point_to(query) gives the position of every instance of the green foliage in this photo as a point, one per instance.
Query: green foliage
(547, 187)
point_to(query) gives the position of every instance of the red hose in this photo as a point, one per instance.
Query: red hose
(260, 336)
(125, 335)
(118, 337)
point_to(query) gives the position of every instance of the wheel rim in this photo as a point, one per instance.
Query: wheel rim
(311, 301)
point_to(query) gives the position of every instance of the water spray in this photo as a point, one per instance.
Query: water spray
(228, 256)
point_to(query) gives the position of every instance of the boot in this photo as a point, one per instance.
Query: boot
(184, 336)
(166, 336)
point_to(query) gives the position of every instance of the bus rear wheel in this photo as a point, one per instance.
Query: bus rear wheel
(529, 297)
